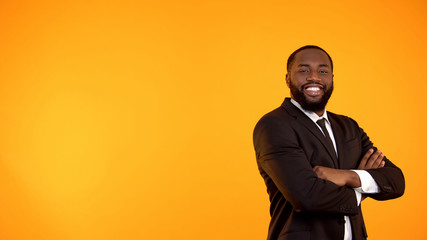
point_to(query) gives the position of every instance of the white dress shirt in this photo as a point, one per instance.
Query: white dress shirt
(368, 184)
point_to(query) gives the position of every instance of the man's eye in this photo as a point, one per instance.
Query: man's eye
(303, 70)
(323, 71)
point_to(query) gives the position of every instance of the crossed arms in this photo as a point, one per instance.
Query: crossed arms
(341, 177)
(284, 162)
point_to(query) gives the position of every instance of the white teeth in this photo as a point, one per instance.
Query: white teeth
(313, 88)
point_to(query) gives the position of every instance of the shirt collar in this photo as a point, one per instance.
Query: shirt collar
(312, 115)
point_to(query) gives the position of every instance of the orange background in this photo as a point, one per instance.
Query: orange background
(133, 120)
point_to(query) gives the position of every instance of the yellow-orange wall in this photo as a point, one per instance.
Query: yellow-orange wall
(133, 119)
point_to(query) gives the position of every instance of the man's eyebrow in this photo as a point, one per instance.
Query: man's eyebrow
(308, 65)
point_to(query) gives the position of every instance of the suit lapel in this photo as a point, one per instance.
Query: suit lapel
(339, 140)
(312, 127)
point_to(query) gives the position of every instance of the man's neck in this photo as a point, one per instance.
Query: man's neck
(319, 113)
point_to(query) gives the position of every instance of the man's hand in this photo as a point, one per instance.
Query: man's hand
(340, 177)
(372, 160)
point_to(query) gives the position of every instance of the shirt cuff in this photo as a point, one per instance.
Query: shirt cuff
(368, 184)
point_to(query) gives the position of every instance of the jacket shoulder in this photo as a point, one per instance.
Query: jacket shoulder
(278, 116)
(343, 119)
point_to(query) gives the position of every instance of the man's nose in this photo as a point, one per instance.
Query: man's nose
(314, 76)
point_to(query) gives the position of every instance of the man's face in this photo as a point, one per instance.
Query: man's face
(311, 80)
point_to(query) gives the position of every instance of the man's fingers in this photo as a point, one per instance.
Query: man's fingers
(372, 160)
(378, 161)
(365, 158)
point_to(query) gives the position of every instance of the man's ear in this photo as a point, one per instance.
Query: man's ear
(287, 79)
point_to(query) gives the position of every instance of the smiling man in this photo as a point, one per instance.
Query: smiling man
(318, 166)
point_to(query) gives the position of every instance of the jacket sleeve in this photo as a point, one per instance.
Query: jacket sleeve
(389, 178)
(283, 160)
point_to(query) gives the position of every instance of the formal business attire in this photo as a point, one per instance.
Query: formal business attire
(368, 184)
(288, 144)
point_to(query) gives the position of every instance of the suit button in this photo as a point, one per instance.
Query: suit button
(346, 208)
(388, 188)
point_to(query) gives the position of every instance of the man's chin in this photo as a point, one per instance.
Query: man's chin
(313, 103)
(310, 99)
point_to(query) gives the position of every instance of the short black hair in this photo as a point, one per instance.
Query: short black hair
(291, 58)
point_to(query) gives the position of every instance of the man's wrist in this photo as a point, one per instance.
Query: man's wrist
(353, 179)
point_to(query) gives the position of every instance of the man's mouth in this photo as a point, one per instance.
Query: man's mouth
(313, 90)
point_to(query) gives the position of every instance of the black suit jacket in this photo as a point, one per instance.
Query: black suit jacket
(288, 145)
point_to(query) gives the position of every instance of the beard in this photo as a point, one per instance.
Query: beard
(298, 95)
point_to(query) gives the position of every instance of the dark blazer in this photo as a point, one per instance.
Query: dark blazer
(288, 145)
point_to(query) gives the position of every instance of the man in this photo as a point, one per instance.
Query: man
(318, 166)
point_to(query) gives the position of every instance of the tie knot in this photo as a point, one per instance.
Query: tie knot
(321, 122)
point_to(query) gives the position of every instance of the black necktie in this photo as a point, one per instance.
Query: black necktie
(321, 123)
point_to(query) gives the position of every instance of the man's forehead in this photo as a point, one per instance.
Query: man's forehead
(312, 56)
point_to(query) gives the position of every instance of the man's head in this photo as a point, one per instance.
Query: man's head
(310, 77)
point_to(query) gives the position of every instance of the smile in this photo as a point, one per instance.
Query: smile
(313, 91)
